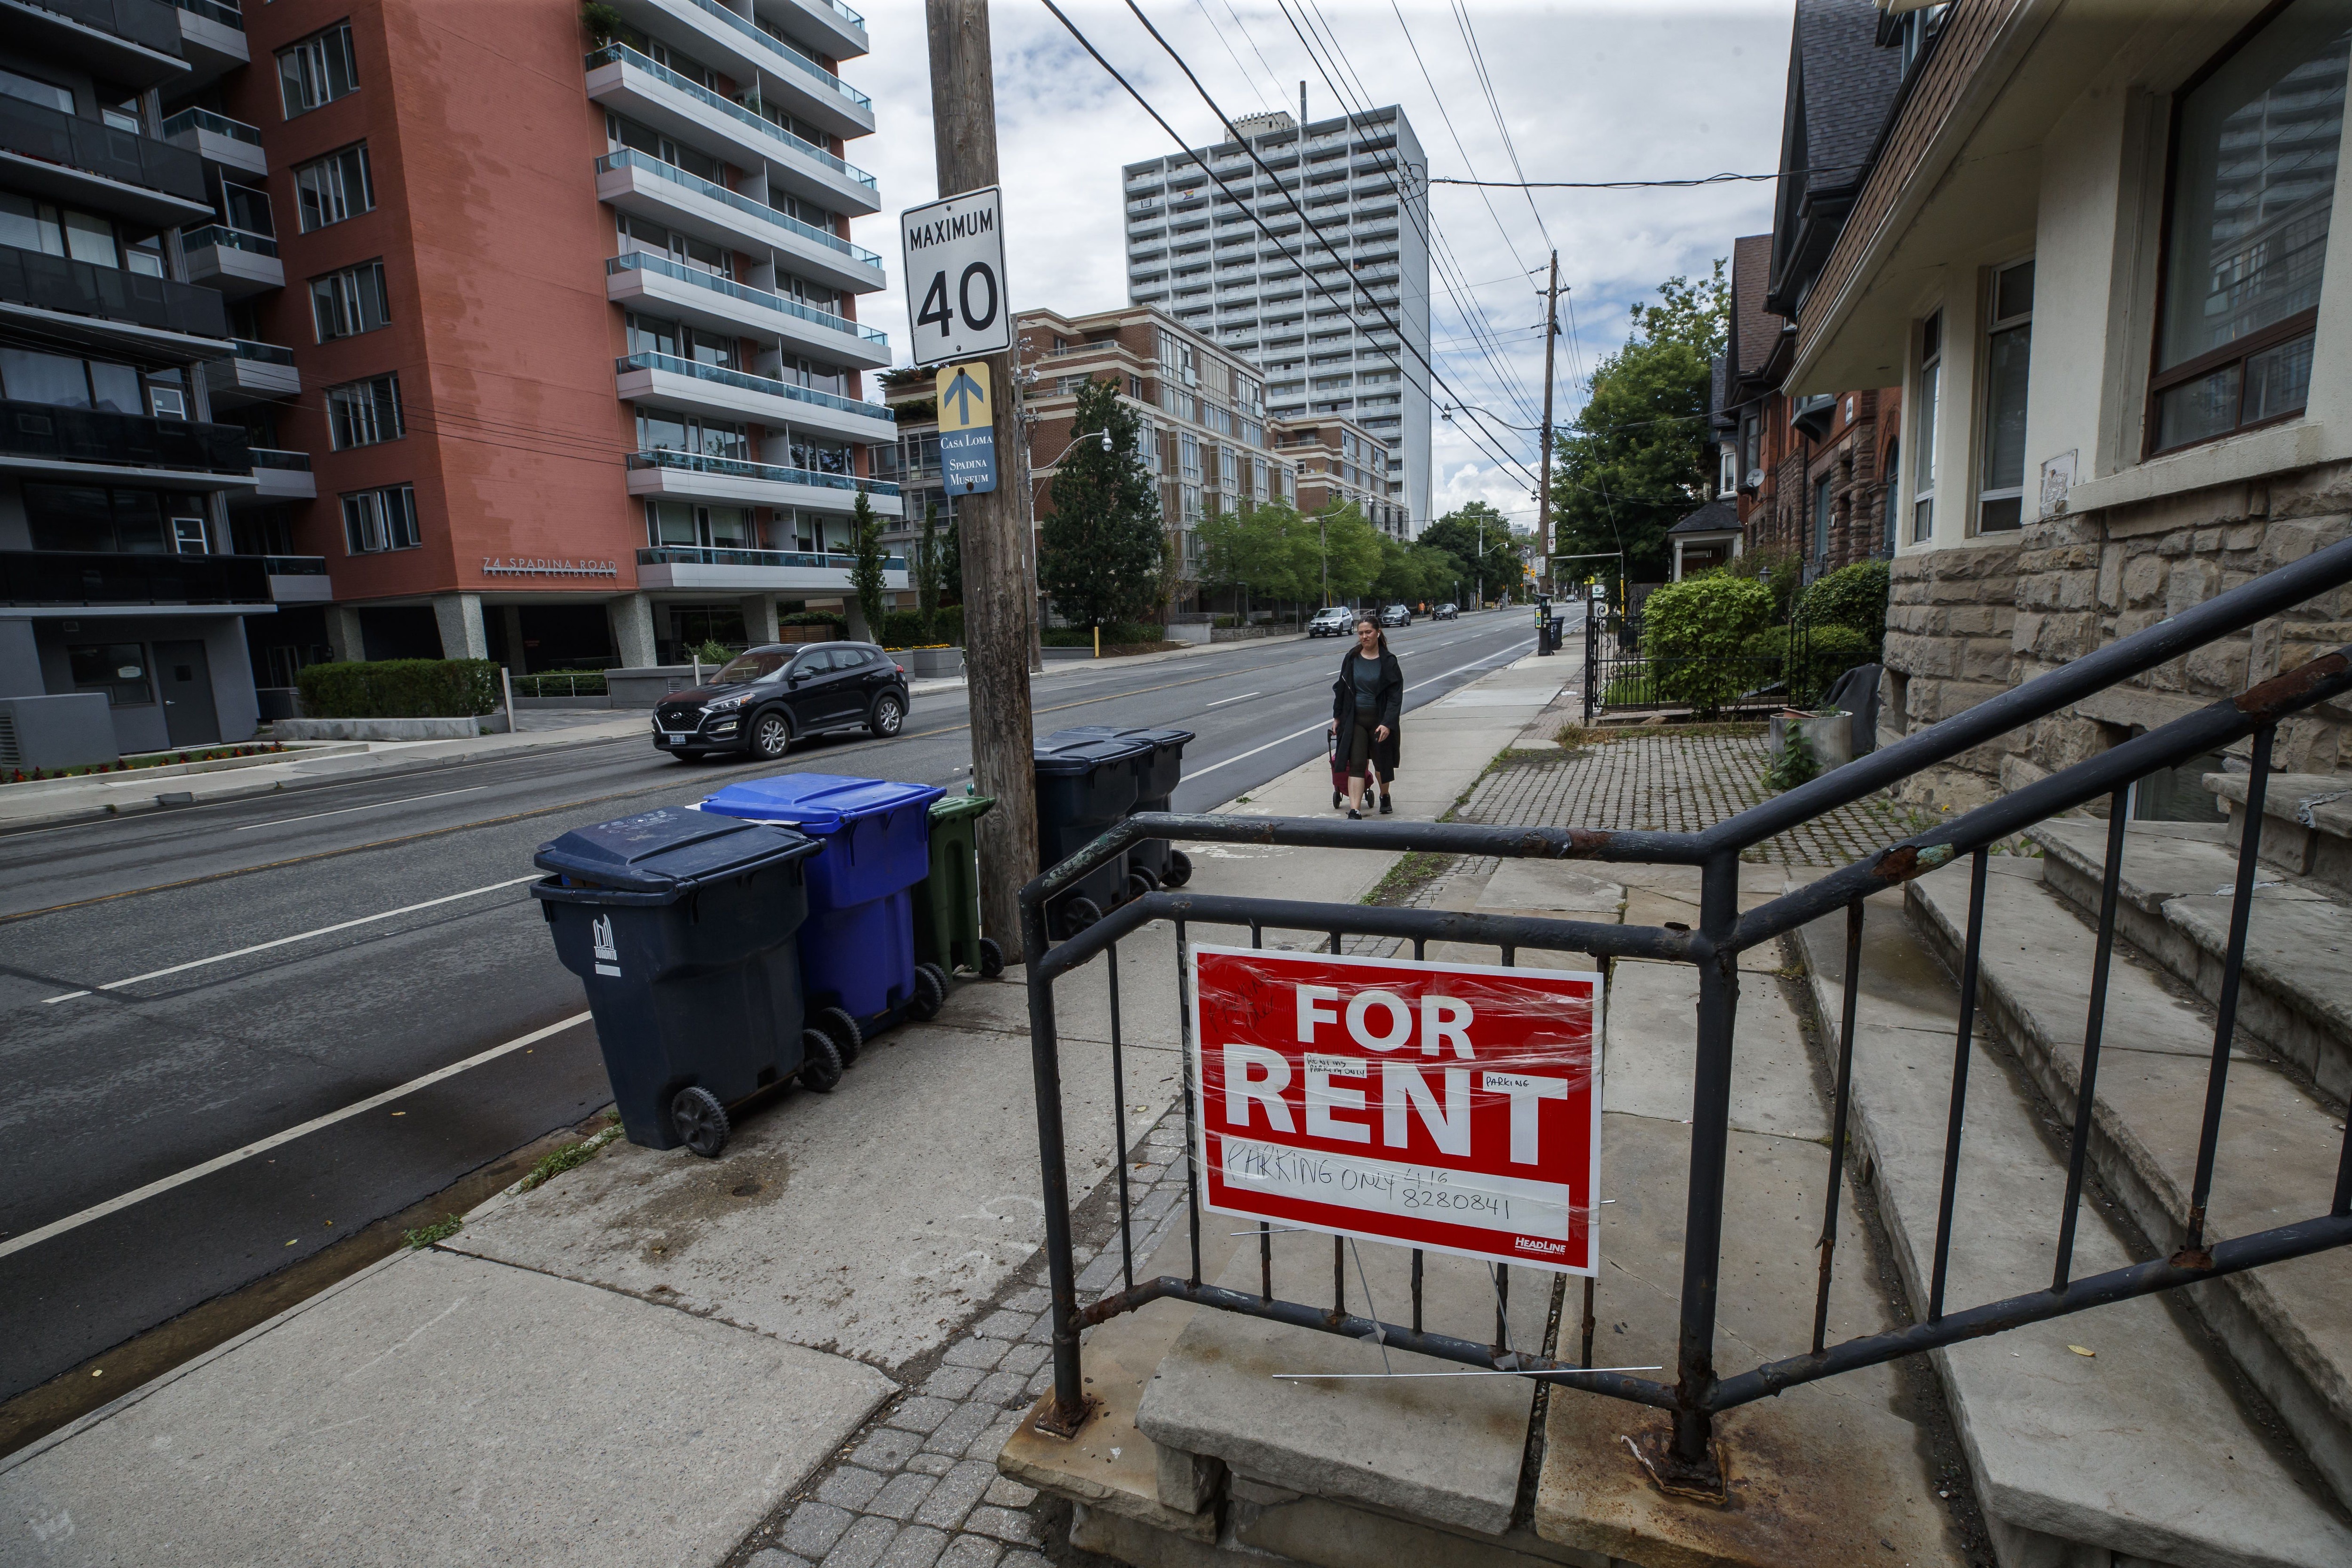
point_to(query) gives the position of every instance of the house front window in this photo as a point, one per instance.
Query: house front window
(2009, 345)
(1821, 518)
(1923, 430)
(2252, 190)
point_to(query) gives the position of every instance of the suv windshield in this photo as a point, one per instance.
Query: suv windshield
(745, 667)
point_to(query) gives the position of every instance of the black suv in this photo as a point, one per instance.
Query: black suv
(764, 698)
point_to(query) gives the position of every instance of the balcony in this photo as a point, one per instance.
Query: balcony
(642, 279)
(649, 189)
(255, 372)
(621, 79)
(278, 476)
(89, 164)
(665, 381)
(134, 43)
(239, 263)
(41, 440)
(220, 140)
(754, 571)
(82, 580)
(106, 305)
(298, 579)
(800, 86)
(692, 476)
(212, 39)
(831, 29)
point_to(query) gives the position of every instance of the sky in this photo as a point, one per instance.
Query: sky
(1654, 89)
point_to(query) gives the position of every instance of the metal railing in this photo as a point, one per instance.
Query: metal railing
(280, 457)
(266, 353)
(782, 52)
(1701, 1390)
(226, 15)
(561, 683)
(223, 235)
(758, 384)
(621, 54)
(1621, 677)
(630, 158)
(647, 262)
(770, 473)
(702, 555)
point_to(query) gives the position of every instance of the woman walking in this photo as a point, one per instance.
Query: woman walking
(1367, 710)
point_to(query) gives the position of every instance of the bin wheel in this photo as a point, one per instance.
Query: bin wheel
(699, 1121)
(991, 958)
(1076, 915)
(1179, 869)
(1140, 882)
(937, 972)
(843, 1031)
(819, 1061)
(929, 997)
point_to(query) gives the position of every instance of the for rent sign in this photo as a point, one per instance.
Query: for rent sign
(1450, 1107)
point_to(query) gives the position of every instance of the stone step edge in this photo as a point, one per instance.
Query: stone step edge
(2189, 946)
(1825, 990)
(2308, 1385)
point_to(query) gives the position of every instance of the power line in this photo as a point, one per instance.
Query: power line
(1723, 179)
(1478, 63)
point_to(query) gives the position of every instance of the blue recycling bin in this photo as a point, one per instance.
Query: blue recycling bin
(1158, 772)
(858, 943)
(681, 928)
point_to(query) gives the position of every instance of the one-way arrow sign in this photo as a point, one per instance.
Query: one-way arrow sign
(964, 392)
(967, 430)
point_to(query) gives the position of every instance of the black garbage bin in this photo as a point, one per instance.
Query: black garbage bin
(682, 926)
(1156, 774)
(1085, 785)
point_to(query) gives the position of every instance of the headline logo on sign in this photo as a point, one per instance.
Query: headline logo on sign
(1453, 1108)
(954, 253)
(967, 430)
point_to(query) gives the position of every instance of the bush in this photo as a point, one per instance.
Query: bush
(1783, 570)
(399, 689)
(1830, 652)
(812, 618)
(1853, 596)
(1118, 633)
(1693, 633)
(904, 628)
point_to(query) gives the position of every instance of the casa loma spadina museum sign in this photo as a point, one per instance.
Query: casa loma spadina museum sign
(1455, 1108)
(967, 430)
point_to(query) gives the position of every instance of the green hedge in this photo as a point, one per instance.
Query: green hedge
(811, 618)
(399, 689)
(1693, 633)
(1116, 635)
(904, 628)
(1853, 596)
(1830, 652)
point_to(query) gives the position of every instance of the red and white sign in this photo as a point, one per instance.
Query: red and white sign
(1450, 1107)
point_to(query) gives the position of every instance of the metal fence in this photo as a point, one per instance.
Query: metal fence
(1701, 1389)
(1618, 676)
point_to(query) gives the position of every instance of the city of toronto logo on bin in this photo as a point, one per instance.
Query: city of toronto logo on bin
(608, 957)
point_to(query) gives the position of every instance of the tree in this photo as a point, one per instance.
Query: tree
(930, 572)
(1102, 556)
(1251, 551)
(1339, 542)
(1465, 534)
(1638, 457)
(868, 559)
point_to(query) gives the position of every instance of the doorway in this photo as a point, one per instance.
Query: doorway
(186, 679)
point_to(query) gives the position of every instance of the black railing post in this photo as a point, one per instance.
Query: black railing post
(1718, 1000)
(1069, 1406)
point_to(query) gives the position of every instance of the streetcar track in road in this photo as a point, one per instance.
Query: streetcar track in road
(346, 811)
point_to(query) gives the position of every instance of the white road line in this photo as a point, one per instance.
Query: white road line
(298, 936)
(1229, 762)
(1245, 697)
(165, 1184)
(372, 805)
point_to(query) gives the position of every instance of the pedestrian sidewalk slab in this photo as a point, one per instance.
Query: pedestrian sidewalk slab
(439, 1409)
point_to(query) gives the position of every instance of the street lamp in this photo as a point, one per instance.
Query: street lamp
(1073, 446)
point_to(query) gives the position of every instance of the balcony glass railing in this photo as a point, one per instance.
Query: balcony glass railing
(784, 53)
(690, 555)
(52, 136)
(646, 261)
(772, 473)
(85, 288)
(106, 577)
(221, 235)
(630, 158)
(273, 457)
(189, 120)
(213, 10)
(120, 440)
(267, 354)
(621, 54)
(295, 565)
(758, 384)
(140, 21)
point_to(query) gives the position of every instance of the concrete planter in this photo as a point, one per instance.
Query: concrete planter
(1194, 632)
(461, 729)
(1830, 736)
(933, 663)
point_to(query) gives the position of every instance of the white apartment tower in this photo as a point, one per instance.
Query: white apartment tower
(1362, 182)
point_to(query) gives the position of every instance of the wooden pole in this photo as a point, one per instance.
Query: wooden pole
(1543, 490)
(997, 598)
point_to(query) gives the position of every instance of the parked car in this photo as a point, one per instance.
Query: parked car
(764, 698)
(1335, 621)
(1446, 611)
(1396, 615)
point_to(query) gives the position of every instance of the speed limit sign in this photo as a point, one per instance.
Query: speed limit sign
(954, 254)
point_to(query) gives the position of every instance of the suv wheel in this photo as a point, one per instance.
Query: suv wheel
(890, 713)
(771, 735)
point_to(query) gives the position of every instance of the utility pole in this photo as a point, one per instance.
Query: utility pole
(998, 606)
(1543, 495)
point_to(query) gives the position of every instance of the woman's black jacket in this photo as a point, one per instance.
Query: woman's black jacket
(1388, 708)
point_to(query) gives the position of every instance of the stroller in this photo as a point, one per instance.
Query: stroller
(1339, 776)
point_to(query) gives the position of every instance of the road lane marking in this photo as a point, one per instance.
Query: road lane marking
(1245, 697)
(372, 805)
(221, 1162)
(298, 936)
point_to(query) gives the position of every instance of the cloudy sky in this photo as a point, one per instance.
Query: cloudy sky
(1650, 90)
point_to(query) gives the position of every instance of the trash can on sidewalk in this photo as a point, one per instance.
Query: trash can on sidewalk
(1156, 774)
(947, 906)
(1085, 785)
(857, 944)
(682, 929)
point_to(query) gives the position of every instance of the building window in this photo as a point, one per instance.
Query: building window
(362, 413)
(1923, 428)
(334, 187)
(116, 669)
(29, 375)
(2253, 189)
(381, 519)
(2009, 345)
(344, 304)
(1821, 518)
(317, 70)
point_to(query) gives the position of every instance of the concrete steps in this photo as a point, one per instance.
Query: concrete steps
(2140, 1453)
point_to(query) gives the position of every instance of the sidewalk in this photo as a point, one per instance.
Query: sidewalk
(811, 1349)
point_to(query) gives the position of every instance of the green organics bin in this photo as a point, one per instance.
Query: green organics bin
(947, 906)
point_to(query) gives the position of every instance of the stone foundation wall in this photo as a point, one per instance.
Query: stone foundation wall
(1963, 624)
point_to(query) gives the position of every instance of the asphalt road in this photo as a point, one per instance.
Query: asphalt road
(295, 956)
